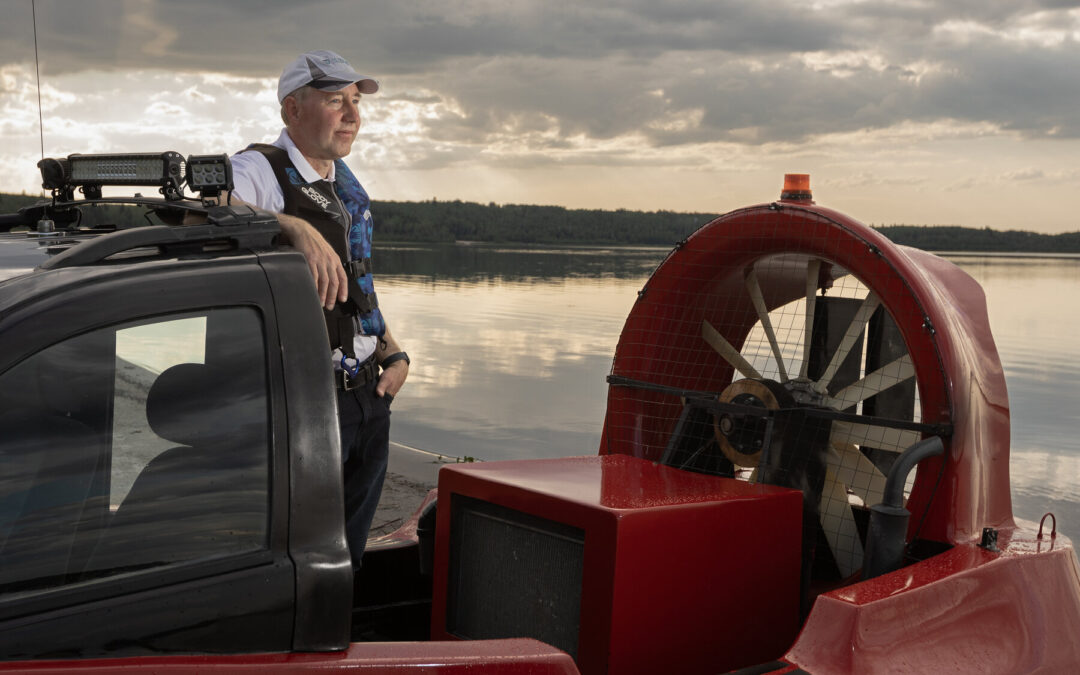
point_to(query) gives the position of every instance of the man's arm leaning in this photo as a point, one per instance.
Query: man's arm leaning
(330, 280)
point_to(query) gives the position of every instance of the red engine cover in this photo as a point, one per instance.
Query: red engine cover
(681, 572)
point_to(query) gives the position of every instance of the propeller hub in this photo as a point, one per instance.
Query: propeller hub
(742, 437)
(805, 392)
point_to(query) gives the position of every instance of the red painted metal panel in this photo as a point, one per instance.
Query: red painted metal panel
(967, 610)
(974, 491)
(682, 570)
(481, 657)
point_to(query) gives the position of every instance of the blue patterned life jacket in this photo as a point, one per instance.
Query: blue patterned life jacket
(358, 204)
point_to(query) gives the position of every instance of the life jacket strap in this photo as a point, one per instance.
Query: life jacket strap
(341, 328)
(358, 268)
(360, 302)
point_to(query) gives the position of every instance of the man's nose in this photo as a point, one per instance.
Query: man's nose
(352, 111)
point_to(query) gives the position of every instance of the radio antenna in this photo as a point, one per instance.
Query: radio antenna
(37, 74)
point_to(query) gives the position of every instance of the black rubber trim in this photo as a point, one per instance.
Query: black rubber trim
(771, 667)
(762, 668)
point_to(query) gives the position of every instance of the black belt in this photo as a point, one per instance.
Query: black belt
(366, 371)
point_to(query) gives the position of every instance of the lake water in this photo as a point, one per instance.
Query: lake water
(511, 347)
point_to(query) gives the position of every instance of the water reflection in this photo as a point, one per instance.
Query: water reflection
(511, 347)
(1031, 304)
(505, 369)
(473, 263)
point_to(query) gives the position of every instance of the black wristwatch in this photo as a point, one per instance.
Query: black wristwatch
(394, 358)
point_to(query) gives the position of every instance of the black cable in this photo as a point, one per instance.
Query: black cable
(37, 74)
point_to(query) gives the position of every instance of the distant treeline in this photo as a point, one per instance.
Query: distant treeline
(955, 238)
(447, 221)
(442, 221)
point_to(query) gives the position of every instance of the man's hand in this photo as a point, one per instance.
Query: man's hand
(330, 280)
(394, 376)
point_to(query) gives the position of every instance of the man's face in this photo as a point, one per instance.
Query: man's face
(326, 123)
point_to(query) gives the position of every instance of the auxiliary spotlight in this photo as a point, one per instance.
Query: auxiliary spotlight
(209, 175)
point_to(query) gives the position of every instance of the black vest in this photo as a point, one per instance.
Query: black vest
(319, 205)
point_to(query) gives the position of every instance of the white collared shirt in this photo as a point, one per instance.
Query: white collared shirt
(253, 177)
(255, 183)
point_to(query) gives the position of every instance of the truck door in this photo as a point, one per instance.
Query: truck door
(143, 492)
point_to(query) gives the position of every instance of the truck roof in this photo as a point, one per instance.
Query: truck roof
(224, 230)
(20, 253)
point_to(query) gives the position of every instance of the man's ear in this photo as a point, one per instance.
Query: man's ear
(292, 108)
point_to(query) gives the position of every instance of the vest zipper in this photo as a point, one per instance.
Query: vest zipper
(346, 218)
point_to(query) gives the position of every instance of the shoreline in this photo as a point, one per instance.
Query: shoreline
(410, 475)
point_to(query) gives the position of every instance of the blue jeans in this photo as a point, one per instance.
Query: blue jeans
(365, 447)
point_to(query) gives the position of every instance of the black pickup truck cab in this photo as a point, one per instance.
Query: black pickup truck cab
(171, 477)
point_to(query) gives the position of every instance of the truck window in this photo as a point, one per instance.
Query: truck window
(132, 447)
(142, 354)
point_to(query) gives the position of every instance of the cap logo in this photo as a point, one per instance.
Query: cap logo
(321, 77)
(315, 70)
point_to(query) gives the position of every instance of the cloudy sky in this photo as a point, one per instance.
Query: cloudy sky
(904, 111)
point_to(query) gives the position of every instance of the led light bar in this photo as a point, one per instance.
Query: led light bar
(208, 175)
(91, 172)
(126, 169)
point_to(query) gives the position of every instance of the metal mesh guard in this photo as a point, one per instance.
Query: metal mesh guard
(513, 575)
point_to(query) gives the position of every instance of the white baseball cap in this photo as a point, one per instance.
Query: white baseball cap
(323, 70)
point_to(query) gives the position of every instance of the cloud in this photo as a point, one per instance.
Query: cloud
(1025, 174)
(864, 179)
(505, 85)
(776, 70)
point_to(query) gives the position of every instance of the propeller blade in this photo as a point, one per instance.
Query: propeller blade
(856, 472)
(839, 526)
(874, 436)
(813, 270)
(727, 352)
(853, 332)
(873, 383)
(754, 288)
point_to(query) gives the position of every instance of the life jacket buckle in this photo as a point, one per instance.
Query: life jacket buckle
(348, 382)
(357, 375)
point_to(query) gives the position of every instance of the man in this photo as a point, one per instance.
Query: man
(326, 216)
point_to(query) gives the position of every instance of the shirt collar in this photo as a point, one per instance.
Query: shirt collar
(285, 142)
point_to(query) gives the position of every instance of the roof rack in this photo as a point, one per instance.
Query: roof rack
(241, 226)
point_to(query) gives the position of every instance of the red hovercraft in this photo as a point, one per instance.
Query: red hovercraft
(804, 468)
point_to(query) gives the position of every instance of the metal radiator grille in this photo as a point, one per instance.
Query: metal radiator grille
(513, 575)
